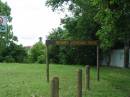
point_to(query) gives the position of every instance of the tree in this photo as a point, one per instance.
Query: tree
(114, 17)
(70, 54)
(14, 53)
(6, 38)
(79, 26)
(37, 52)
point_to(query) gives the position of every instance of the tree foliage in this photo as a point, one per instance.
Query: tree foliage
(9, 50)
(105, 20)
(112, 17)
(70, 54)
(37, 53)
(6, 37)
(13, 53)
(80, 26)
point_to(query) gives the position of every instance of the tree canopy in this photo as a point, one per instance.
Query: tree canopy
(105, 20)
(6, 37)
(108, 18)
(10, 51)
(37, 52)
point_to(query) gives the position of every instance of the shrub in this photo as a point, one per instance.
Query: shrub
(41, 59)
(9, 59)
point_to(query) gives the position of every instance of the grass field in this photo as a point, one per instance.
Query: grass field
(24, 80)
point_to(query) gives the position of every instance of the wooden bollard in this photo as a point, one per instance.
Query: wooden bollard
(87, 77)
(55, 87)
(79, 83)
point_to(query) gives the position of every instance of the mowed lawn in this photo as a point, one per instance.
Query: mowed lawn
(25, 80)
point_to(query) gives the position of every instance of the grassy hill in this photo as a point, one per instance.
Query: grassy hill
(24, 80)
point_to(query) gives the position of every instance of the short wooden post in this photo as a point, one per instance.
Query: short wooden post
(87, 77)
(55, 87)
(79, 83)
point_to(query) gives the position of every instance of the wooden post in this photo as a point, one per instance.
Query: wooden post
(79, 83)
(47, 64)
(55, 87)
(98, 75)
(87, 77)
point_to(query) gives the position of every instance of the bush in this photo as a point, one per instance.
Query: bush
(37, 53)
(41, 59)
(9, 59)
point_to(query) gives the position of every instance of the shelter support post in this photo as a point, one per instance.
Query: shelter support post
(98, 66)
(47, 64)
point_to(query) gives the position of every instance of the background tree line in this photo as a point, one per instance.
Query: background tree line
(105, 20)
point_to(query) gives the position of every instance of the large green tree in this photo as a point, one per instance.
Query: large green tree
(114, 17)
(6, 37)
(9, 50)
(79, 26)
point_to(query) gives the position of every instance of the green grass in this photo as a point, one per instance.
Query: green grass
(24, 80)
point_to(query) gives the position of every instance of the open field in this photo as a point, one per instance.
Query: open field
(24, 80)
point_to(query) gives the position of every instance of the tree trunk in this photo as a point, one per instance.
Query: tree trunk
(126, 55)
(109, 59)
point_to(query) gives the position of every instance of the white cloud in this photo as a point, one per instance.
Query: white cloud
(32, 19)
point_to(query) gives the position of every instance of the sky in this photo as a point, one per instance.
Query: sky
(32, 19)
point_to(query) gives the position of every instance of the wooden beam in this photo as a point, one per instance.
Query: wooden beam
(72, 42)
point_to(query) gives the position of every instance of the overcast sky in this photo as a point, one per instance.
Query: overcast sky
(32, 19)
